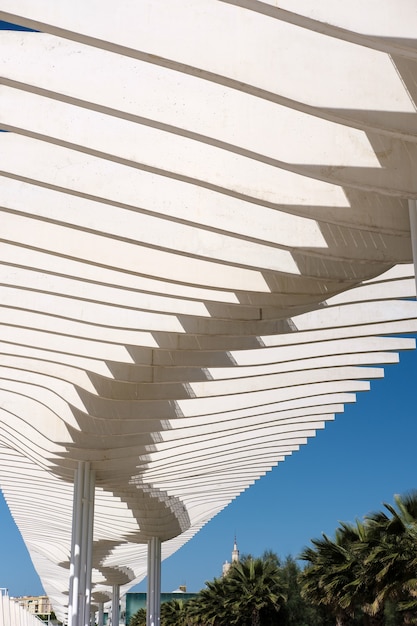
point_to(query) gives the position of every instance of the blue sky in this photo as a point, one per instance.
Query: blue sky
(358, 462)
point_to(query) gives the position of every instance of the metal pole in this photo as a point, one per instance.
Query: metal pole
(153, 597)
(412, 210)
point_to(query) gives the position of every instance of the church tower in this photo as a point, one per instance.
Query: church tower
(235, 559)
(235, 553)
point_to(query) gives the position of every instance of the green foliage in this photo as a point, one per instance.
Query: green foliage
(48, 618)
(251, 594)
(212, 607)
(368, 572)
(139, 618)
(174, 613)
(366, 575)
(255, 591)
(296, 610)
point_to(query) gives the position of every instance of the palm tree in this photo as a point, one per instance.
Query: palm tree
(270, 555)
(392, 554)
(367, 565)
(255, 589)
(298, 611)
(332, 576)
(210, 607)
(174, 613)
(362, 590)
(139, 618)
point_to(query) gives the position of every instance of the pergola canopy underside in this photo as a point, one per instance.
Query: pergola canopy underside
(205, 252)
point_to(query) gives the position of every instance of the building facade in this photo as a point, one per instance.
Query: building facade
(36, 605)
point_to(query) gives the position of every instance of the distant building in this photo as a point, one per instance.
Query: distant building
(132, 602)
(37, 605)
(235, 559)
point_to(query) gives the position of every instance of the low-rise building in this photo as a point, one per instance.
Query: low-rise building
(37, 605)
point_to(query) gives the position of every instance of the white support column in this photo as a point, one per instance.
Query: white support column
(115, 616)
(89, 561)
(84, 544)
(100, 614)
(412, 209)
(153, 597)
(73, 604)
(81, 546)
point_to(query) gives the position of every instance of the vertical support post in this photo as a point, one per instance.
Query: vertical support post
(81, 546)
(100, 614)
(115, 617)
(412, 210)
(89, 560)
(84, 541)
(153, 597)
(73, 604)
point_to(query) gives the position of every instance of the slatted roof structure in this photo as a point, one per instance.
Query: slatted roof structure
(205, 252)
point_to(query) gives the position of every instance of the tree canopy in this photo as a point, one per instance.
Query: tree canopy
(365, 575)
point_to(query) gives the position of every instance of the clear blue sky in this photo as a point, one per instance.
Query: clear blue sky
(359, 461)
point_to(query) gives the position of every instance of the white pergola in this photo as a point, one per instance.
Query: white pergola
(205, 253)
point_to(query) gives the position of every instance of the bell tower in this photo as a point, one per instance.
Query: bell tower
(235, 552)
(235, 559)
